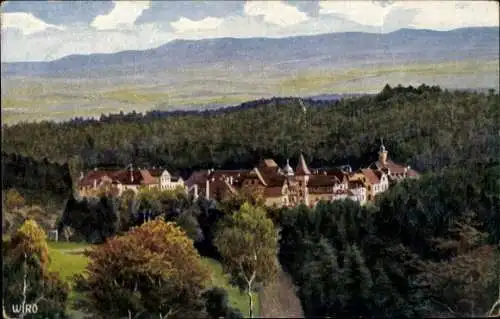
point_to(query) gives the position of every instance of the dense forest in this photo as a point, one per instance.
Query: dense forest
(427, 248)
(426, 127)
(38, 181)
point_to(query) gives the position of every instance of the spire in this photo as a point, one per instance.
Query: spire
(288, 169)
(302, 168)
(382, 147)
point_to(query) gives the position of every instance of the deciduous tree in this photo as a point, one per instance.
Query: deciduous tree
(153, 270)
(26, 276)
(13, 199)
(247, 242)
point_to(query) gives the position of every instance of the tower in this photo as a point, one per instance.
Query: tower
(302, 174)
(288, 170)
(382, 154)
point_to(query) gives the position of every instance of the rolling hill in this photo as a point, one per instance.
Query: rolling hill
(186, 74)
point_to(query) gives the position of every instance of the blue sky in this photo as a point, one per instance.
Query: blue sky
(48, 30)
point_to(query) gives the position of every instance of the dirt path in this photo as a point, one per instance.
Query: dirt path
(279, 300)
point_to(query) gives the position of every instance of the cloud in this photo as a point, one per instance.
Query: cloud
(445, 15)
(438, 15)
(363, 12)
(186, 25)
(124, 14)
(26, 22)
(275, 12)
(28, 37)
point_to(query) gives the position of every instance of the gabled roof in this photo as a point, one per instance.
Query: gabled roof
(371, 176)
(321, 181)
(271, 177)
(302, 168)
(136, 177)
(268, 162)
(256, 172)
(393, 167)
(157, 172)
(88, 180)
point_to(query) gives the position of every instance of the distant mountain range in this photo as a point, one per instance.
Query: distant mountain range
(351, 49)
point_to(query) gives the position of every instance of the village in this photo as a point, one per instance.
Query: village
(276, 186)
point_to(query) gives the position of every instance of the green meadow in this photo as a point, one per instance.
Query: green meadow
(27, 99)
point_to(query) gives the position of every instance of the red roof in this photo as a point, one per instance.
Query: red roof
(393, 167)
(156, 172)
(371, 176)
(321, 181)
(136, 177)
(88, 180)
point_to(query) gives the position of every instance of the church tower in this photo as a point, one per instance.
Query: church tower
(382, 154)
(302, 174)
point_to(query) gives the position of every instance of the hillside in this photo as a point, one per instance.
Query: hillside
(188, 74)
(426, 127)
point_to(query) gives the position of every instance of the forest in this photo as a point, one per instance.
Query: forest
(427, 127)
(427, 247)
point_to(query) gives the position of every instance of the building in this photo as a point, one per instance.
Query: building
(277, 186)
(115, 182)
(395, 172)
(133, 179)
(165, 180)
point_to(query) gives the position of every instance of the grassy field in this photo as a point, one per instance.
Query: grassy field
(33, 98)
(67, 258)
(237, 299)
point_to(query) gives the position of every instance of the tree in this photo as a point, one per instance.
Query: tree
(26, 276)
(248, 244)
(13, 199)
(466, 281)
(152, 270)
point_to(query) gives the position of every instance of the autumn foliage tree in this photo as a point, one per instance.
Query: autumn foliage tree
(26, 276)
(248, 243)
(13, 199)
(152, 271)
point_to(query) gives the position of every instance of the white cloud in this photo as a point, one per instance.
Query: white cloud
(275, 12)
(445, 15)
(27, 38)
(438, 15)
(26, 22)
(123, 15)
(185, 24)
(363, 12)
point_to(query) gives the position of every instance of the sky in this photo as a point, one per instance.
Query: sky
(49, 30)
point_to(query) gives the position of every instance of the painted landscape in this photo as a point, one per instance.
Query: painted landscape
(207, 74)
(250, 159)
